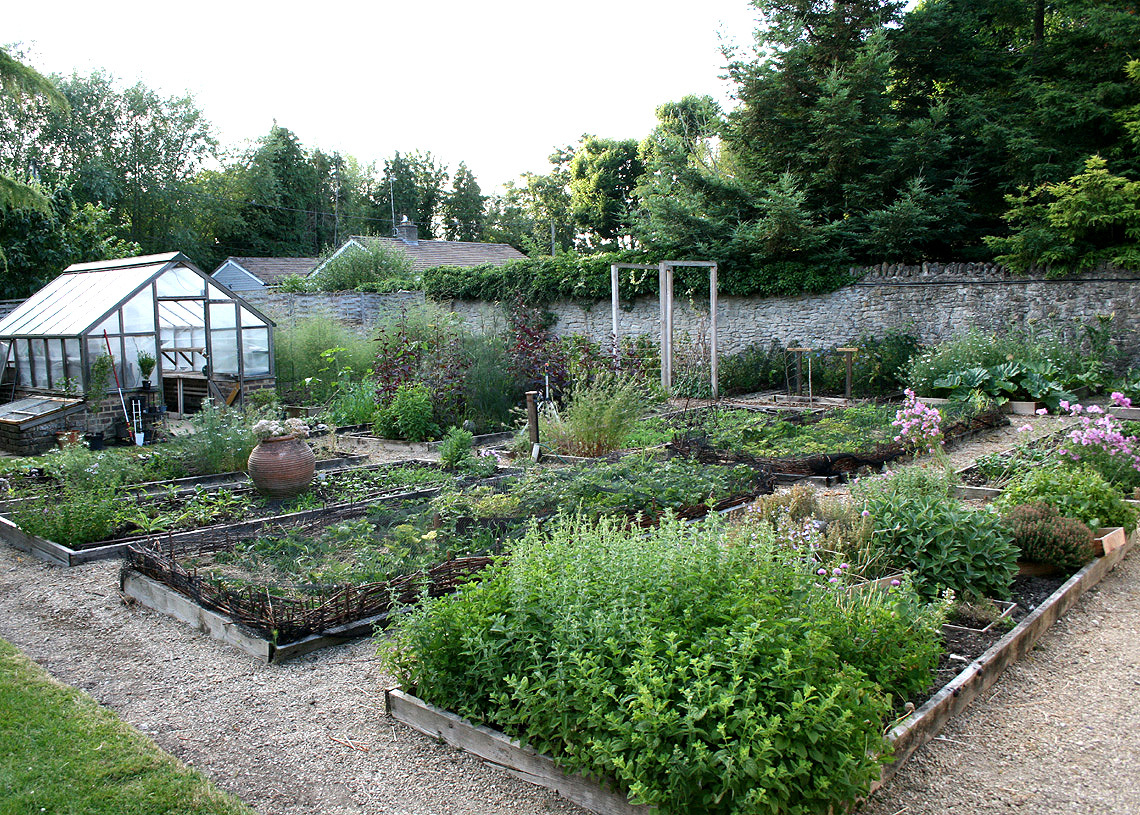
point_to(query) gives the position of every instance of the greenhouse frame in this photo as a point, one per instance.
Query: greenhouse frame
(206, 341)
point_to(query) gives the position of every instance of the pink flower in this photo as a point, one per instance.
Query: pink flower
(1025, 428)
(1095, 409)
(1042, 411)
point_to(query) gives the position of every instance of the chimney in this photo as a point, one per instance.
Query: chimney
(408, 232)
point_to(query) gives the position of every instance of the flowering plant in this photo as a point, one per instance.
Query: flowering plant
(919, 425)
(1099, 439)
(276, 429)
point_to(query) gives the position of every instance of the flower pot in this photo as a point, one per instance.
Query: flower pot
(282, 466)
(66, 438)
(94, 440)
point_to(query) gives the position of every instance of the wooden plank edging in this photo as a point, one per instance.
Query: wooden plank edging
(499, 750)
(922, 725)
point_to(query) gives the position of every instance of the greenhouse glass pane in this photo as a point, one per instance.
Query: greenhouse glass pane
(255, 351)
(110, 325)
(190, 313)
(24, 361)
(223, 346)
(97, 348)
(223, 315)
(74, 361)
(180, 282)
(39, 363)
(55, 364)
(138, 313)
(248, 318)
(133, 346)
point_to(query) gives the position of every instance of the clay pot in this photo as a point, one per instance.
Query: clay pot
(282, 467)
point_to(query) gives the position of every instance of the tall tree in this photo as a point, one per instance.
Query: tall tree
(413, 184)
(463, 209)
(603, 174)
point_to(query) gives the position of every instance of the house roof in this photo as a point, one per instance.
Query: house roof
(268, 270)
(428, 253)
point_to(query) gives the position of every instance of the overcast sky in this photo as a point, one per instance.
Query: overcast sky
(497, 84)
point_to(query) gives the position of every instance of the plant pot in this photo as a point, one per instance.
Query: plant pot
(281, 467)
(140, 439)
(144, 385)
(94, 440)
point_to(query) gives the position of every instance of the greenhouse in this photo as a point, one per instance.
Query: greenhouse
(157, 312)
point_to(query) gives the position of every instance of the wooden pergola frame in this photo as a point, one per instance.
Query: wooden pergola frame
(665, 299)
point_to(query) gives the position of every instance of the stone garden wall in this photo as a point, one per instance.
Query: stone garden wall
(933, 300)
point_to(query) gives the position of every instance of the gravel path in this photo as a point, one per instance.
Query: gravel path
(1058, 733)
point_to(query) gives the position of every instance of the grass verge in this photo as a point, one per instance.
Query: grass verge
(63, 753)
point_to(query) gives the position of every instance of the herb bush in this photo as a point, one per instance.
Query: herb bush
(1044, 536)
(919, 527)
(1075, 490)
(408, 415)
(597, 419)
(700, 677)
(86, 508)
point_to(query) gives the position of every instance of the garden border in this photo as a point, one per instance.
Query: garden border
(919, 727)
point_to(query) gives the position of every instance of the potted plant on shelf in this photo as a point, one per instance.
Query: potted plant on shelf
(282, 464)
(97, 379)
(146, 364)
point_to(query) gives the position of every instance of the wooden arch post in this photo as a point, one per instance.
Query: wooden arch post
(665, 301)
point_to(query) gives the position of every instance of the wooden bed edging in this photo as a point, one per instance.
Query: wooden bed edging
(925, 723)
(499, 750)
(165, 600)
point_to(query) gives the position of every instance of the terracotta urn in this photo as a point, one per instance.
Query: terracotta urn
(281, 466)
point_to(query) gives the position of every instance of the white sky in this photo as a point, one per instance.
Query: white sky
(497, 84)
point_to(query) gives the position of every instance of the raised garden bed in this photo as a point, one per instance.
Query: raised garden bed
(817, 445)
(270, 620)
(265, 513)
(906, 737)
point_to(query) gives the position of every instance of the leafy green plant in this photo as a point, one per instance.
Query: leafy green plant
(627, 654)
(407, 416)
(380, 266)
(1044, 536)
(598, 417)
(917, 526)
(221, 441)
(455, 449)
(1075, 490)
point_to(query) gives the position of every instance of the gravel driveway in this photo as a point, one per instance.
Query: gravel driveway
(1060, 732)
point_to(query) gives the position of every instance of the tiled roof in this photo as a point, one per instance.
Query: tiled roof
(267, 270)
(428, 253)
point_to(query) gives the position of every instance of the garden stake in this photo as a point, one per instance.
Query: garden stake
(115, 371)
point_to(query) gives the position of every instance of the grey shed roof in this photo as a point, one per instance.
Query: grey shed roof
(268, 270)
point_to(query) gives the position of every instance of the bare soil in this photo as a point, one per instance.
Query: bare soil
(1060, 732)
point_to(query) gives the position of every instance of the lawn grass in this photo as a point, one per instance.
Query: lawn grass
(61, 752)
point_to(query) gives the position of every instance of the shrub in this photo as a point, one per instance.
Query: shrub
(455, 448)
(311, 353)
(380, 266)
(917, 526)
(1076, 491)
(1044, 536)
(407, 416)
(630, 654)
(221, 442)
(599, 416)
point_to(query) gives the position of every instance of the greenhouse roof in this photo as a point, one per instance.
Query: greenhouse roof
(83, 295)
